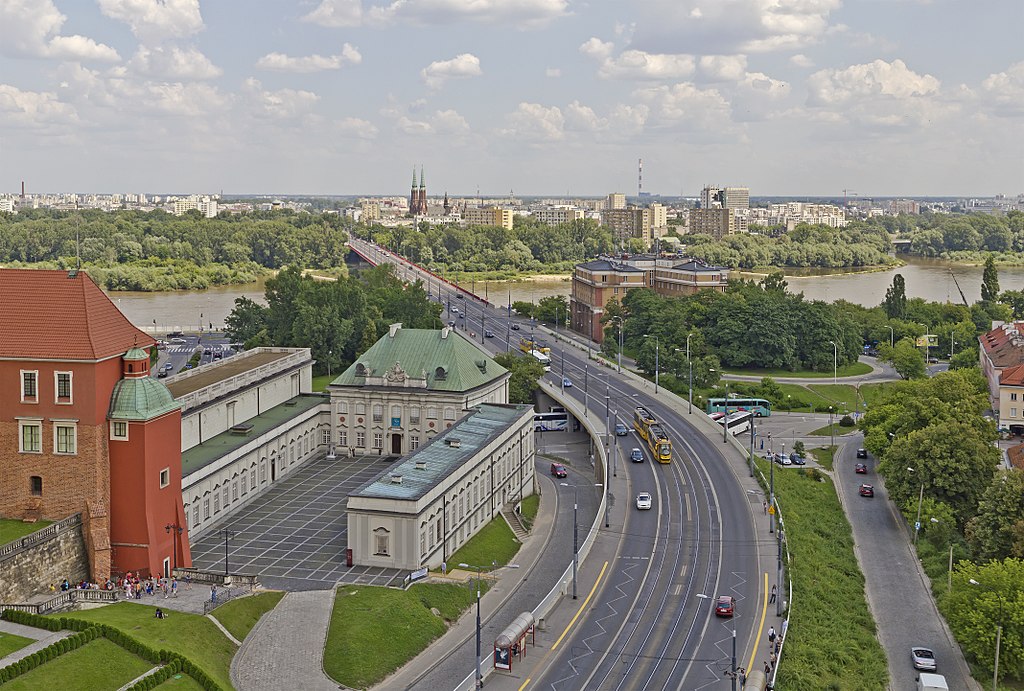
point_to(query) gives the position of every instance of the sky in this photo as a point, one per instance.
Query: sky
(533, 97)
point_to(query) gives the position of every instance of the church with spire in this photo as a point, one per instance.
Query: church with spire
(418, 195)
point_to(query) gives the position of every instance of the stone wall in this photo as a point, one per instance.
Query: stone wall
(29, 565)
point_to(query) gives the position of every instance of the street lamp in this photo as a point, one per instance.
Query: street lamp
(892, 336)
(228, 534)
(920, 501)
(575, 532)
(176, 538)
(949, 572)
(835, 362)
(690, 363)
(999, 637)
(479, 676)
(657, 349)
(619, 354)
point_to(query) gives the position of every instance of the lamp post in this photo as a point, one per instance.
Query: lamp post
(835, 362)
(618, 319)
(690, 363)
(228, 534)
(920, 501)
(771, 486)
(329, 353)
(479, 677)
(657, 364)
(949, 571)
(562, 354)
(607, 446)
(999, 637)
(892, 337)
(575, 532)
(176, 538)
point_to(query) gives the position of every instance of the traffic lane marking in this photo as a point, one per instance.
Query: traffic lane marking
(760, 627)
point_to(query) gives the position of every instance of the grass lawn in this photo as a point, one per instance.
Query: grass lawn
(826, 431)
(495, 542)
(9, 643)
(799, 392)
(239, 616)
(837, 395)
(11, 530)
(824, 456)
(183, 682)
(831, 642)
(97, 666)
(873, 393)
(374, 631)
(529, 509)
(320, 382)
(195, 637)
(853, 369)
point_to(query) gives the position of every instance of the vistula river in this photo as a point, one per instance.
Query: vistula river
(926, 278)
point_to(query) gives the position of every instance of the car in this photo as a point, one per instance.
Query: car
(783, 459)
(867, 491)
(178, 339)
(725, 606)
(217, 355)
(933, 361)
(514, 327)
(488, 333)
(451, 324)
(460, 296)
(462, 316)
(566, 382)
(643, 501)
(558, 470)
(862, 453)
(798, 459)
(621, 430)
(636, 455)
(860, 469)
(923, 658)
(453, 310)
(162, 373)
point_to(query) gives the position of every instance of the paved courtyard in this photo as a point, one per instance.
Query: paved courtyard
(294, 535)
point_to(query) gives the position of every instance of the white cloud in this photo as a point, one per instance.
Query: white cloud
(761, 83)
(552, 72)
(156, 20)
(173, 63)
(636, 64)
(517, 13)
(1005, 90)
(336, 13)
(30, 28)
(461, 66)
(801, 60)
(310, 63)
(596, 48)
(873, 79)
(278, 105)
(534, 122)
(355, 128)
(33, 109)
(623, 121)
(442, 122)
(187, 100)
(723, 68)
(684, 103)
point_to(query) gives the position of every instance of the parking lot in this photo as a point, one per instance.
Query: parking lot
(294, 535)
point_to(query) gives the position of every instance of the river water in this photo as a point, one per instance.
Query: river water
(926, 278)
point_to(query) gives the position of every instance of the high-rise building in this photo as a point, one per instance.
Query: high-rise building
(488, 216)
(716, 222)
(736, 197)
(632, 222)
(615, 200)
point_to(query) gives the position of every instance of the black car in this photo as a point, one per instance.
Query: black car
(862, 453)
(514, 327)
(489, 334)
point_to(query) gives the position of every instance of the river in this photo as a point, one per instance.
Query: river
(925, 278)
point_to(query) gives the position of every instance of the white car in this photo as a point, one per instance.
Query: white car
(643, 501)
(783, 459)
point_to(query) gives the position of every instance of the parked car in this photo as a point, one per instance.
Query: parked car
(558, 470)
(643, 501)
(783, 459)
(636, 455)
(923, 658)
(621, 430)
(725, 606)
(867, 491)
(862, 453)
(860, 469)
(798, 459)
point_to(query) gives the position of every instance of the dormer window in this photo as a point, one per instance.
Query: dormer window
(440, 374)
(360, 370)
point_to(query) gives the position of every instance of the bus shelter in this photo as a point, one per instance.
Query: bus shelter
(511, 642)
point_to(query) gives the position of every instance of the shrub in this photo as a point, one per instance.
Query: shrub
(847, 421)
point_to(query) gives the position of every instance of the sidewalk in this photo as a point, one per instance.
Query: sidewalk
(42, 638)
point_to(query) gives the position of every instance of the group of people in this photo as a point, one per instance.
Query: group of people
(67, 585)
(774, 646)
(134, 587)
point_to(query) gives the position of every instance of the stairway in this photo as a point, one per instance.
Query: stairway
(512, 518)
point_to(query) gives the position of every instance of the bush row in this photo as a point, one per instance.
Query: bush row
(88, 631)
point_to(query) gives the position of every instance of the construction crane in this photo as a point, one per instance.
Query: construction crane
(962, 296)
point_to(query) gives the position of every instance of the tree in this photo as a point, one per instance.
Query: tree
(990, 281)
(526, 373)
(552, 308)
(895, 303)
(1015, 300)
(998, 529)
(246, 321)
(907, 360)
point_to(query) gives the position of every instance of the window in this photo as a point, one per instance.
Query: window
(449, 413)
(325, 437)
(414, 442)
(343, 407)
(1013, 397)
(245, 485)
(234, 491)
(360, 409)
(206, 508)
(119, 430)
(29, 386)
(378, 412)
(378, 440)
(1013, 412)
(414, 416)
(423, 543)
(252, 480)
(165, 477)
(263, 470)
(195, 515)
(396, 411)
(381, 541)
(439, 530)
(224, 494)
(216, 503)
(360, 440)
(35, 485)
(343, 439)
(30, 437)
(64, 438)
(62, 385)
(431, 413)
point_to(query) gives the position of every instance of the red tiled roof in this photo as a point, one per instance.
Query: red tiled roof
(1012, 376)
(1000, 347)
(1016, 456)
(54, 314)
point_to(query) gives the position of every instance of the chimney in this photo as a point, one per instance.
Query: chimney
(393, 329)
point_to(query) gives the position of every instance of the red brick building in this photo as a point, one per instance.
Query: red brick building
(83, 427)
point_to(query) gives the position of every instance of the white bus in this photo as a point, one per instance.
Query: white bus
(738, 422)
(543, 359)
(551, 422)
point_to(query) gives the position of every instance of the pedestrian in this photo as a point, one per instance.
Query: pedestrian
(444, 568)
(174, 587)
(775, 590)
(188, 581)
(771, 634)
(767, 668)
(773, 658)
(743, 676)
(765, 505)
(213, 598)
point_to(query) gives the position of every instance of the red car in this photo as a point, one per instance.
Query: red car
(860, 469)
(558, 470)
(867, 491)
(725, 606)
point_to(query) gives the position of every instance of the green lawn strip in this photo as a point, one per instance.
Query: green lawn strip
(191, 635)
(183, 683)
(10, 643)
(831, 642)
(824, 456)
(529, 509)
(494, 543)
(374, 631)
(11, 530)
(852, 369)
(798, 393)
(240, 615)
(97, 666)
(320, 382)
(838, 395)
(873, 393)
(826, 431)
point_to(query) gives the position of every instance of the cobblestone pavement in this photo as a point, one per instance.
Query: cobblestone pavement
(285, 650)
(294, 536)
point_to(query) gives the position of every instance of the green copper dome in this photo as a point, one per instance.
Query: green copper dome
(136, 353)
(142, 398)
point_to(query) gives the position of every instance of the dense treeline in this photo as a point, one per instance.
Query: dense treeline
(957, 236)
(337, 319)
(529, 247)
(131, 250)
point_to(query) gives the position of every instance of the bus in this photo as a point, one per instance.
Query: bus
(642, 421)
(758, 406)
(659, 444)
(551, 422)
(738, 422)
(543, 359)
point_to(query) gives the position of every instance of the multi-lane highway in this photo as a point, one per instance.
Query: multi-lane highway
(651, 624)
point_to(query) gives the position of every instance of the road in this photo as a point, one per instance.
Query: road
(652, 624)
(177, 351)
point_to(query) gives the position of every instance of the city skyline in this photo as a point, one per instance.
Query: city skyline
(538, 97)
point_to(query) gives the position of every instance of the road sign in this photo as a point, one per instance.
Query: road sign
(771, 510)
(917, 525)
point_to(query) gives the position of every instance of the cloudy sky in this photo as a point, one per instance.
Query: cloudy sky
(552, 97)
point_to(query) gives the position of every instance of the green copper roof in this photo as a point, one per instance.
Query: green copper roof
(140, 398)
(136, 353)
(449, 362)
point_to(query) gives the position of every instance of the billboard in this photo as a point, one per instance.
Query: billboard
(928, 341)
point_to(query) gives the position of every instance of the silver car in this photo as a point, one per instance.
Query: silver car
(643, 501)
(924, 658)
